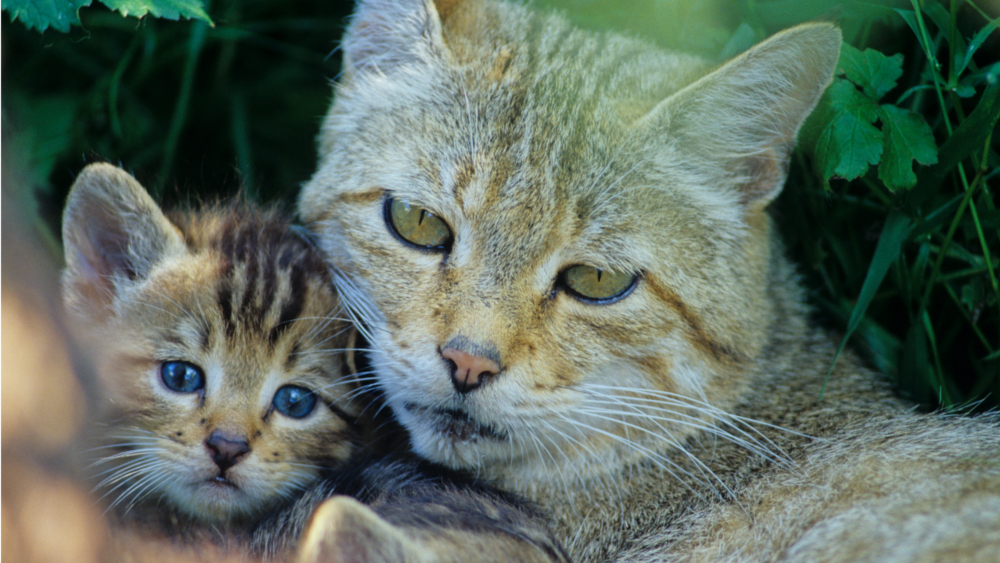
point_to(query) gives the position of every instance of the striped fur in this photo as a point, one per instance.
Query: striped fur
(237, 293)
(681, 421)
(248, 299)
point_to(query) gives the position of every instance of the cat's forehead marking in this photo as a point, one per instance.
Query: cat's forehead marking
(265, 276)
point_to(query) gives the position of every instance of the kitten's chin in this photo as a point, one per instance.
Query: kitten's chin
(215, 500)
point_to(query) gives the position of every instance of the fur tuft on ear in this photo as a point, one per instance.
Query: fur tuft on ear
(386, 34)
(748, 112)
(113, 235)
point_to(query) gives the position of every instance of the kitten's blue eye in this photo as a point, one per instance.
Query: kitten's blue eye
(294, 401)
(182, 377)
(417, 226)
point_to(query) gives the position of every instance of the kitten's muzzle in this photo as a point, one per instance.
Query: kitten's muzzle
(226, 449)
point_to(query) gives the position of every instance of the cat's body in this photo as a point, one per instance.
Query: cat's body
(228, 417)
(561, 242)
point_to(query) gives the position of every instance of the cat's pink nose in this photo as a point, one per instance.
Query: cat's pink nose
(470, 370)
(226, 449)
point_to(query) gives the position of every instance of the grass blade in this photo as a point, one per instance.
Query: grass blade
(896, 229)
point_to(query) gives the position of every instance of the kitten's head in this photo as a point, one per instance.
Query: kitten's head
(217, 339)
(559, 236)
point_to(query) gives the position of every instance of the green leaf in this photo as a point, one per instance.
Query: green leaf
(907, 138)
(42, 14)
(897, 228)
(169, 9)
(849, 142)
(874, 72)
(968, 137)
(743, 38)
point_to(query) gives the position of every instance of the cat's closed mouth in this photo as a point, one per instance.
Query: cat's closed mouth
(456, 423)
(221, 481)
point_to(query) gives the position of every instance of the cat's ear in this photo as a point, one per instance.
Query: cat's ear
(344, 530)
(742, 119)
(386, 34)
(113, 234)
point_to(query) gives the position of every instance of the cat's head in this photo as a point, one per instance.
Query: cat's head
(218, 344)
(559, 236)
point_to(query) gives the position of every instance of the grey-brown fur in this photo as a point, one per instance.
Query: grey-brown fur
(681, 422)
(238, 292)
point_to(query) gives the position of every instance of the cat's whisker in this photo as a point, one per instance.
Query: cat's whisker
(592, 455)
(566, 484)
(152, 483)
(138, 486)
(123, 478)
(685, 401)
(662, 462)
(676, 446)
(133, 441)
(132, 452)
(741, 425)
(748, 442)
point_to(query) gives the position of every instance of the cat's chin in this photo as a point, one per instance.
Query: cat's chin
(452, 437)
(214, 499)
(454, 424)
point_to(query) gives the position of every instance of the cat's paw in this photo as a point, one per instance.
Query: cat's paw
(343, 530)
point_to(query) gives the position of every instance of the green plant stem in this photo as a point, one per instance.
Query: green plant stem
(969, 189)
(979, 334)
(241, 145)
(935, 271)
(195, 44)
(116, 80)
(943, 396)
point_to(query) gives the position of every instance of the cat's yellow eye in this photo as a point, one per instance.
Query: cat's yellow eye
(416, 225)
(597, 285)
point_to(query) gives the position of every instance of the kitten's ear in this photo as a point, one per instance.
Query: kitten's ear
(748, 112)
(346, 531)
(386, 34)
(113, 234)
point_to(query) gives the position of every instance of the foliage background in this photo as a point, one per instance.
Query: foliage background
(196, 111)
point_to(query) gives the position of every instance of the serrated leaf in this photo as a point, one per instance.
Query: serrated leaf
(849, 143)
(169, 9)
(42, 14)
(874, 72)
(907, 138)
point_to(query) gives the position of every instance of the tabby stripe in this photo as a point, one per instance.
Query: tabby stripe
(247, 311)
(225, 298)
(293, 307)
(699, 337)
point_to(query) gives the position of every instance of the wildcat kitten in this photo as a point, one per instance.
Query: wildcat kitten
(217, 336)
(561, 242)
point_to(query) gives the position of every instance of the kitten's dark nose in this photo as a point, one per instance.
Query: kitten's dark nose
(472, 364)
(226, 449)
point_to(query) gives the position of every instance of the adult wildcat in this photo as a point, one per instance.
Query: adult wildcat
(228, 417)
(561, 242)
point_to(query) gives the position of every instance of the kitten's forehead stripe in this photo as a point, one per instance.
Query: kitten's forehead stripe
(292, 308)
(265, 271)
(224, 296)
